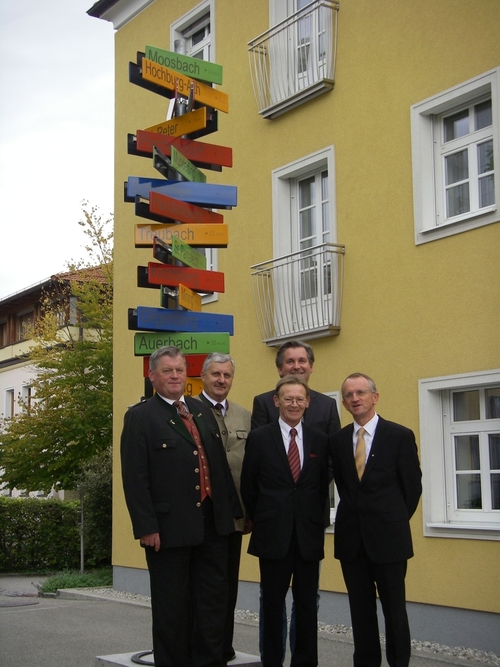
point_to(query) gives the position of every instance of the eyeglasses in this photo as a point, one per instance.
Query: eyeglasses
(360, 393)
(290, 401)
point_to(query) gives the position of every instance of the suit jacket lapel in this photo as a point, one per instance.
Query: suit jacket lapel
(376, 445)
(197, 416)
(280, 448)
(174, 419)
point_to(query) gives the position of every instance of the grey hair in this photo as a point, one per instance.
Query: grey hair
(373, 387)
(165, 351)
(217, 358)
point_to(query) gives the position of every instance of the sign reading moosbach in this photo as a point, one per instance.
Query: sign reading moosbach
(179, 207)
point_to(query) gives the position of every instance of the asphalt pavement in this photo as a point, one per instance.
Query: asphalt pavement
(77, 629)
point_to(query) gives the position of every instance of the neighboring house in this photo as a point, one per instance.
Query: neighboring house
(19, 313)
(366, 142)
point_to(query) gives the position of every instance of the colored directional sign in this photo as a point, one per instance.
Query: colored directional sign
(193, 67)
(186, 168)
(199, 152)
(164, 319)
(201, 236)
(189, 299)
(167, 78)
(194, 387)
(196, 279)
(200, 343)
(187, 255)
(201, 194)
(189, 122)
(163, 252)
(175, 209)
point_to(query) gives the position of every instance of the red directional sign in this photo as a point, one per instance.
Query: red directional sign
(196, 279)
(175, 209)
(196, 151)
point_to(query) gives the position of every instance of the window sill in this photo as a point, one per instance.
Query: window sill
(467, 531)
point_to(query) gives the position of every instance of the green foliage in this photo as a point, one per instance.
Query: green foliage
(96, 486)
(69, 420)
(73, 579)
(38, 534)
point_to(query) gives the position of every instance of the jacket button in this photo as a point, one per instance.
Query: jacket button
(198, 504)
(197, 487)
(197, 470)
(164, 446)
(195, 452)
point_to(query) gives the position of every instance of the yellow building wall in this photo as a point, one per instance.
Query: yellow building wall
(409, 312)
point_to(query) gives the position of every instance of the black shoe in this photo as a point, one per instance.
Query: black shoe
(229, 656)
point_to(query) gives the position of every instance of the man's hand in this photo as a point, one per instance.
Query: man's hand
(248, 526)
(152, 540)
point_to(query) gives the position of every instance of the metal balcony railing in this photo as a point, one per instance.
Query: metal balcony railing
(299, 295)
(295, 60)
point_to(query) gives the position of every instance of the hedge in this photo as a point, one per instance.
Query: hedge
(39, 534)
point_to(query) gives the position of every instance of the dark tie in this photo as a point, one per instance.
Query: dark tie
(360, 453)
(219, 406)
(293, 455)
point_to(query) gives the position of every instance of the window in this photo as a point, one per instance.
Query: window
(9, 403)
(455, 144)
(193, 35)
(25, 322)
(26, 397)
(3, 334)
(460, 451)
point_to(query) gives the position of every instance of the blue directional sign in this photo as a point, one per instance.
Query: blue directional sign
(201, 194)
(165, 319)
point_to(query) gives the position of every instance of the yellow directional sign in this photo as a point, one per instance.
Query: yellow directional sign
(167, 78)
(194, 386)
(189, 299)
(189, 122)
(200, 235)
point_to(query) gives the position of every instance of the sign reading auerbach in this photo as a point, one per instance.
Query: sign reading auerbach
(179, 206)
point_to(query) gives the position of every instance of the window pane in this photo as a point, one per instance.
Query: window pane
(486, 191)
(492, 397)
(494, 447)
(457, 167)
(483, 115)
(457, 200)
(466, 405)
(469, 492)
(495, 491)
(456, 126)
(485, 156)
(467, 452)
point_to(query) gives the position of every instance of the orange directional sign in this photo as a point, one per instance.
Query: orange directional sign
(189, 122)
(167, 78)
(189, 299)
(195, 279)
(201, 236)
(175, 209)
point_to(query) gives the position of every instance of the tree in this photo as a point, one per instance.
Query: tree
(69, 420)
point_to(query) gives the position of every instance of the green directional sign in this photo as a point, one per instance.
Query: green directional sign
(189, 343)
(185, 167)
(188, 255)
(193, 67)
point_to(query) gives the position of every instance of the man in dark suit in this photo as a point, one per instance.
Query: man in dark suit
(181, 499)
(234, 426)
(378, 477)
(295, 357)
(284, 486)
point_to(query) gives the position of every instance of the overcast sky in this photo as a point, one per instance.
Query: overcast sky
(56, 133)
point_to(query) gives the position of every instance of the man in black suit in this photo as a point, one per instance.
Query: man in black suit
(296, 357)
(181, 499)
(284, 486)
(378, 477)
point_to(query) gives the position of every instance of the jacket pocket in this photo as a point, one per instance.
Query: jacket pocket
(164, 443)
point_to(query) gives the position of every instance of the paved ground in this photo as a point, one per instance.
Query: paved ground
(72, 630)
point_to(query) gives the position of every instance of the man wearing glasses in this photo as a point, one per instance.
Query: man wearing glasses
(284, 486)
(377, 472)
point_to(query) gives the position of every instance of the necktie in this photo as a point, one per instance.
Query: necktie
(182, 410)
(293, 455)
(360, 453)
(219, 406)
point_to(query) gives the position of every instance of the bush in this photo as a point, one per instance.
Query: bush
(92, 579)
(39, 534)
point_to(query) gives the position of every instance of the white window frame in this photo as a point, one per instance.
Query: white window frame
(282, 179)
(177, 31)
(428, 201)
(435, 452)
(10, 403)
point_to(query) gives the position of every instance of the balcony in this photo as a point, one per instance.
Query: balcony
(299, 295)
(295, 60)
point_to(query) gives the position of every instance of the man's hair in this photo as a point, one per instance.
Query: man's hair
(353, 376)
(165, 351)
(280, 355)
(217, 358)
(292, 379)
